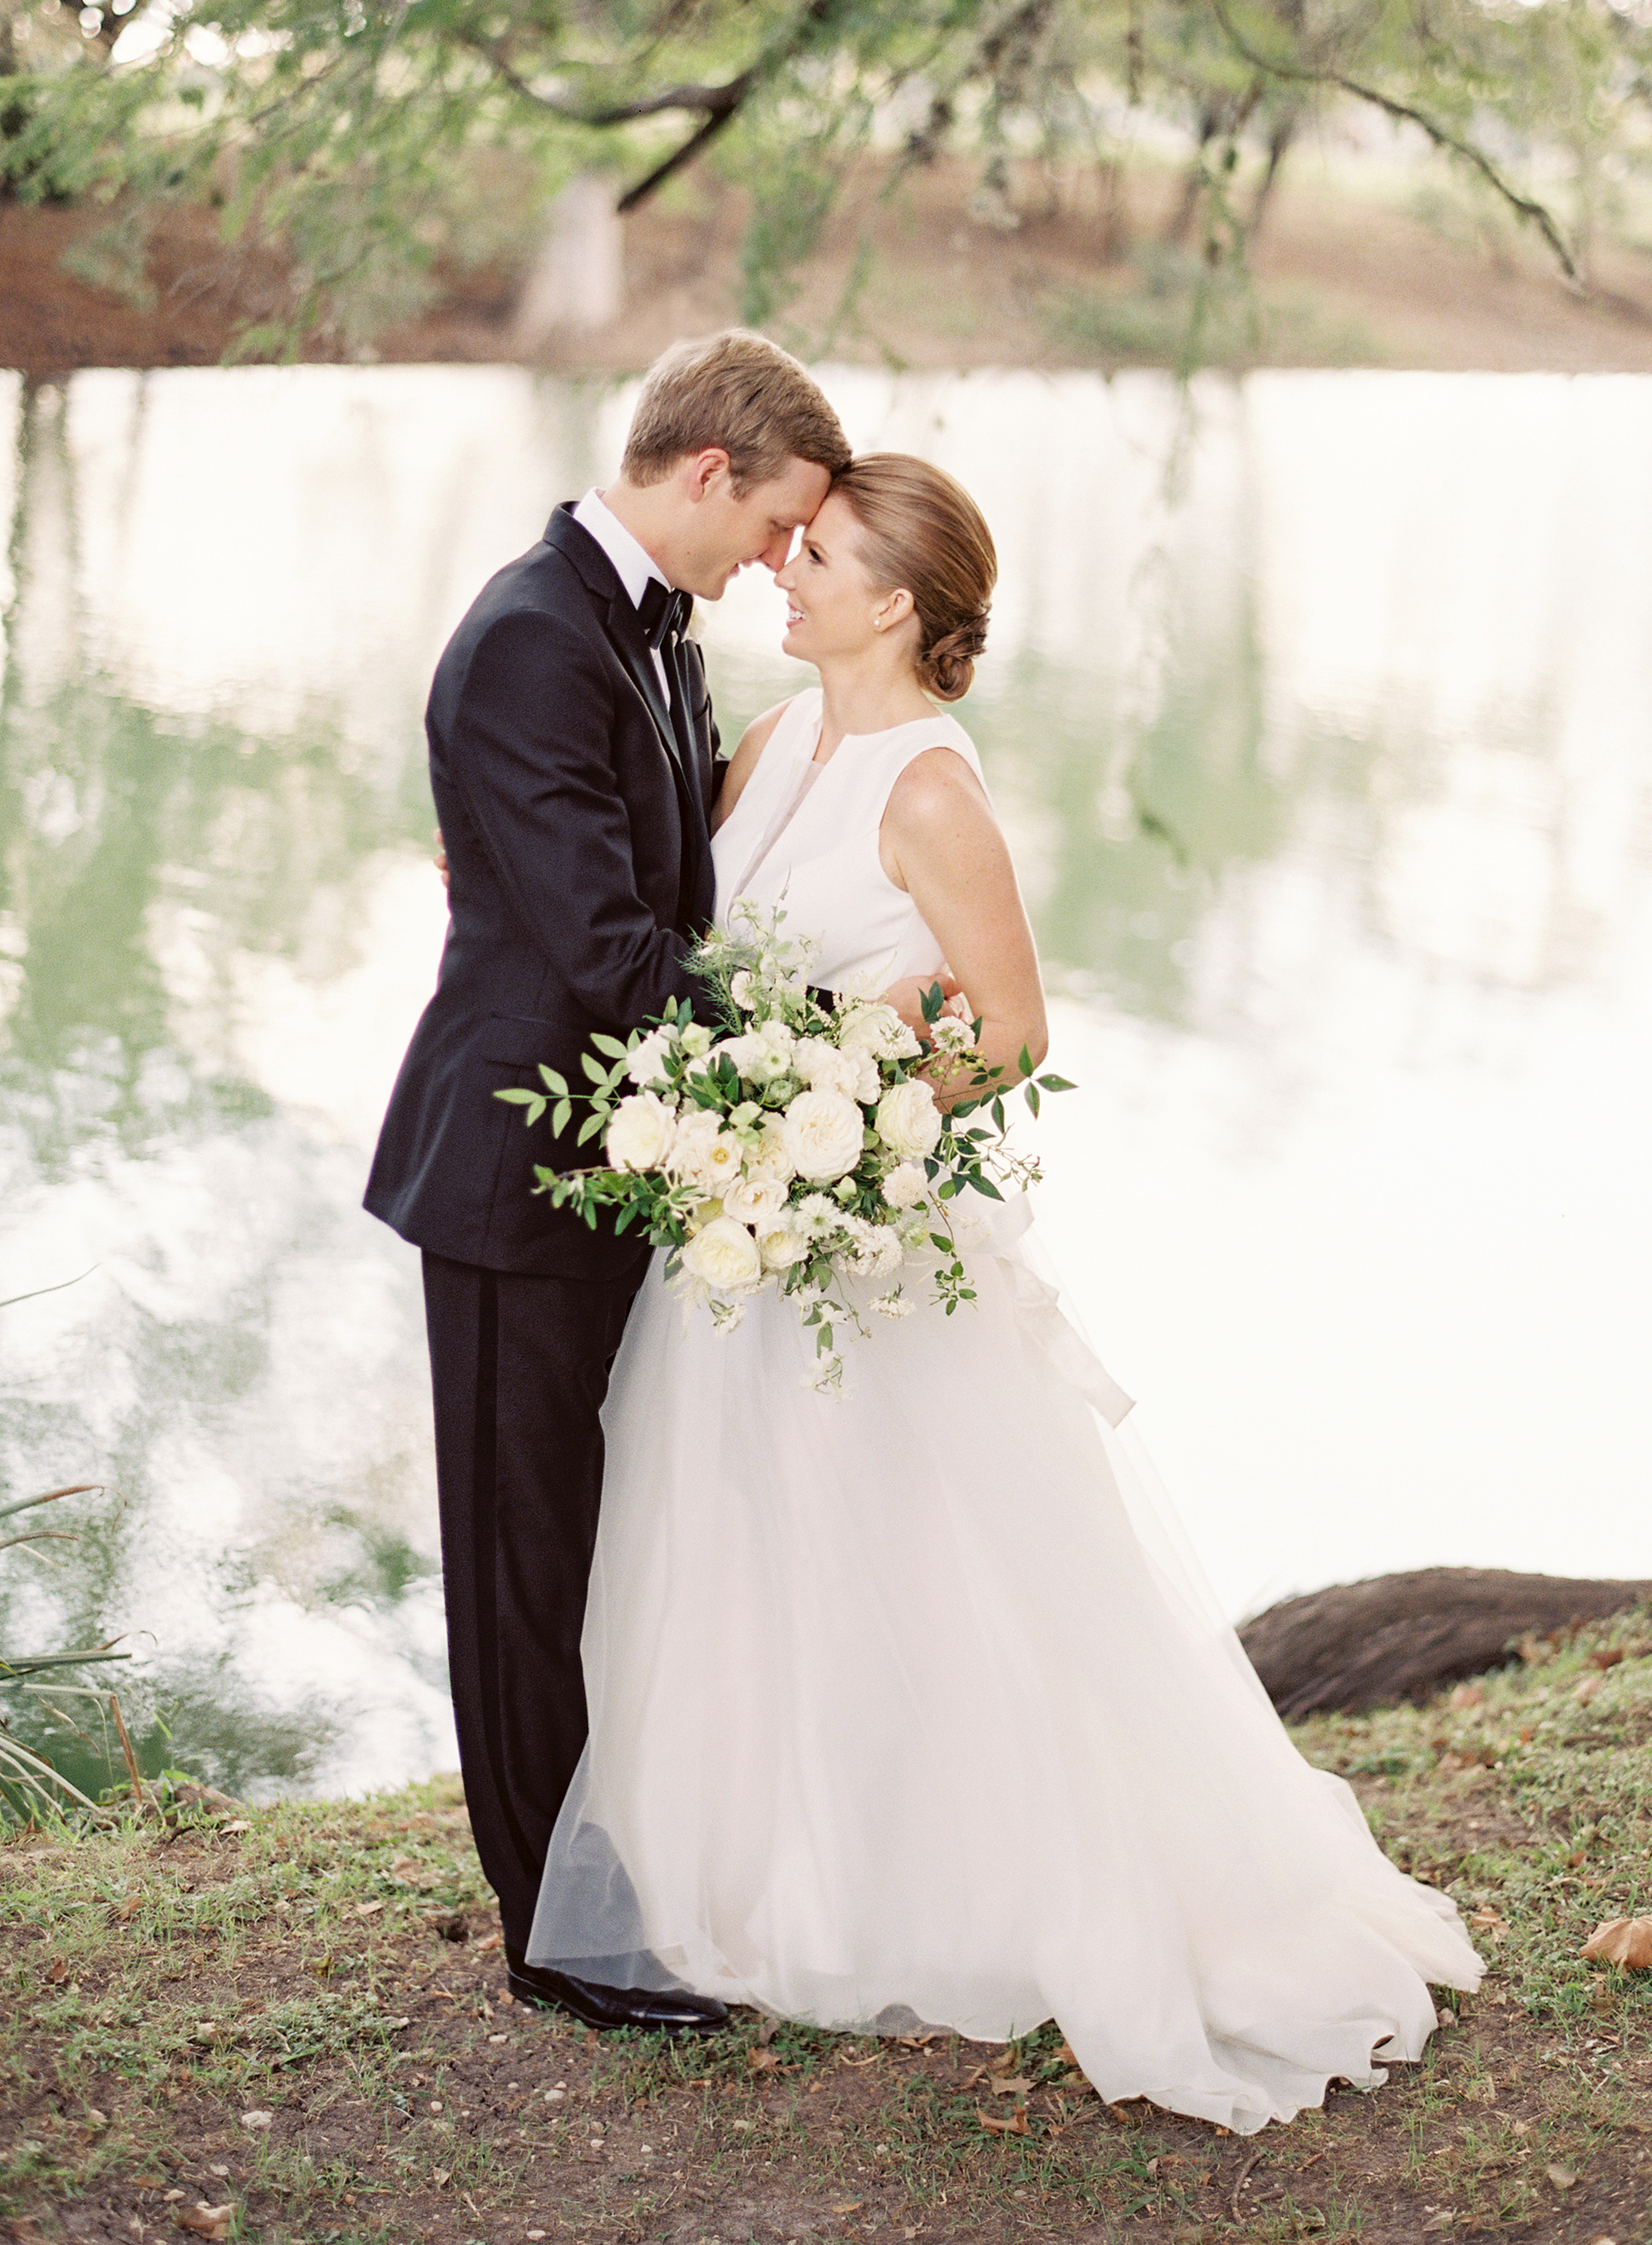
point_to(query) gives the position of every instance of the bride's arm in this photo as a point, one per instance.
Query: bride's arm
(940, 843)
(743, 762)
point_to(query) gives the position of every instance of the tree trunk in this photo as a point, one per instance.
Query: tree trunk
(1359, 1645)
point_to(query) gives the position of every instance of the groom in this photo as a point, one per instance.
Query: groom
(571, 749)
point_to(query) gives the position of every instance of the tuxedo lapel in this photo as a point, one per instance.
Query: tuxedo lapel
(623, 628)
(620, 622)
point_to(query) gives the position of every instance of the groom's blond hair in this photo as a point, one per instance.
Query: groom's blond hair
(744, 395)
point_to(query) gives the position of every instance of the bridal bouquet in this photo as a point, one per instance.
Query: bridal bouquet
(799, 1148)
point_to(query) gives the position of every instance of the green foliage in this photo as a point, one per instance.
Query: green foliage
(342, 131)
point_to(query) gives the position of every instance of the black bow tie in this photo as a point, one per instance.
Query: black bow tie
(664, 614)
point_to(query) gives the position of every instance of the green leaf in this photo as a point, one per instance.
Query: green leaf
(985, 1185)
(552, 1080)
(612, 1046)
(1056, 1084)
(1024, 1061)
(1032, 1091)
(588, 1129)
(516, 1097)
(932, 1001)
(562, 1116)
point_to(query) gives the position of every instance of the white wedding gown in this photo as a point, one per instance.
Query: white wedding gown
(905, 1706)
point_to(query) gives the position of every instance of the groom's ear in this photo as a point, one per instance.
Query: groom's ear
(699, 471)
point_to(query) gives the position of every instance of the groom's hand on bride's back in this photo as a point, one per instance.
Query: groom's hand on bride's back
(907, 998)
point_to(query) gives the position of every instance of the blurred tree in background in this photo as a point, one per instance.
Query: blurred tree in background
(342, 129)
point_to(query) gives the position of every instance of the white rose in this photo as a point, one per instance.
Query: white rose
(905, 1186)
(720, 1165)
(754, 1200)
(780, 1246)
(823, 1067)
(877, 1029)
(724, 1256)
(909, 1121)
(824, 1132)
(648, 1059)
(697, 1133)
(639, 1133)
(769, 1157)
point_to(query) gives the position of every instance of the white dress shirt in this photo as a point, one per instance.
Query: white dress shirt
(633, 564)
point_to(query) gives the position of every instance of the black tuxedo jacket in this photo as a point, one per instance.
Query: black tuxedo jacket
(580, 876)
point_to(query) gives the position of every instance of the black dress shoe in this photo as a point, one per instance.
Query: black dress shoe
(675, 2013)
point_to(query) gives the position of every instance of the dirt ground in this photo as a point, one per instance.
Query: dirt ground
(290, 2024)
(1420, 277)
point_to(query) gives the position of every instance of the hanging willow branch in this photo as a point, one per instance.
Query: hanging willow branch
(1525, 206)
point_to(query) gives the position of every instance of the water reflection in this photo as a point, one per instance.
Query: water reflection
(1319, 713)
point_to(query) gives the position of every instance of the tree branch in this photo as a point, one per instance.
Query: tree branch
(1535, 214)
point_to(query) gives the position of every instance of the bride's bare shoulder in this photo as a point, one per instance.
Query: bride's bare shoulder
(743, 762)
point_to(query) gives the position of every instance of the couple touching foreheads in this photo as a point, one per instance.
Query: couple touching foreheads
(870, 1710)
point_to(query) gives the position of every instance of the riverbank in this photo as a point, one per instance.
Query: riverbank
(288, 2024)
(1355, 265)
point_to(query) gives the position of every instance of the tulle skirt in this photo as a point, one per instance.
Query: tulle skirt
(906, 1708)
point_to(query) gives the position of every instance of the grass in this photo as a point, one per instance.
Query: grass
(265, 2024)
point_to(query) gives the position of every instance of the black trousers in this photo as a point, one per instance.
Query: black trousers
(519, 1367)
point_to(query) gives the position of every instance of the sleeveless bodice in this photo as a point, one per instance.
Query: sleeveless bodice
(813, 848)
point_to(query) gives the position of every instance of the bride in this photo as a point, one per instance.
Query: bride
(904, 1707)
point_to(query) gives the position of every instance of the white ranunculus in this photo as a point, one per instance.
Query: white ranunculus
(696, 1038)
(754, 1200)
(905, 1186)
(720, 1164)
(769, 1157)
(780, 1246)
(697, 1132)
(909, 1121)
(824, 1133)
(648, 1059)
(639, 1134)
(877, 1029)
(724, 1257)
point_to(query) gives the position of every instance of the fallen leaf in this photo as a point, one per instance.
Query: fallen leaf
(439, 2175)
(1468, 1695)
(1488, 1921)
(1562, 2178)
(1608, 1657)
(1587, 1690)
(257, 2119)
(492, 1941)
(58, 1971)
(208, 2221)
(850, 2206)
(1126, 2115)
(1012, 2085)
(97, 2119)
(1014, 2124)
(205, 2030)
(240, 1824)
(1441, 2221)
(1066, 2055)
(369, 1909)
(129, 1908)
(761, 2061)
(1625, 1941)
(149, 2182)
(393, 2026)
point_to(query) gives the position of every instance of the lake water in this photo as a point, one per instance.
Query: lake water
(1319, 709)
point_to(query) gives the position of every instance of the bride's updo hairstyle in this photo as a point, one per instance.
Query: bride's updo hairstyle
(921, 530)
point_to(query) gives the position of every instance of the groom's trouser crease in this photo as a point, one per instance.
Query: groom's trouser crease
(519, 1367)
